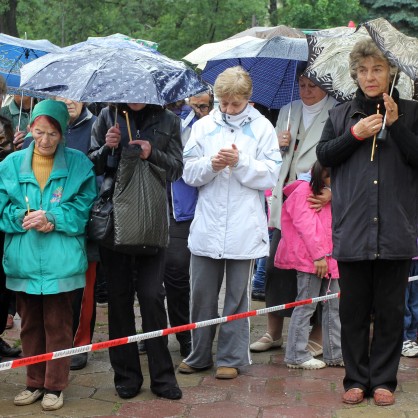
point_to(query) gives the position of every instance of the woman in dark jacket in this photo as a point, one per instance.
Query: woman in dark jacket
(157, 132)
(374, 207)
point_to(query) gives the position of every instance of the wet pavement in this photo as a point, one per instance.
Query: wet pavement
(266, 389)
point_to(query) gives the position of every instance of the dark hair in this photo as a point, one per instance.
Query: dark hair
(51, 120)
(300, 68)
(317, 183)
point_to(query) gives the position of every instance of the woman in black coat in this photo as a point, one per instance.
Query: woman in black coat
(374, 208)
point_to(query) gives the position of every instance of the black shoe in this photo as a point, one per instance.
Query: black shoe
(7, 351)
(172, 393)
(78, 361)
(185, 349)
(125, 392)
(258, 295)
(141, 347)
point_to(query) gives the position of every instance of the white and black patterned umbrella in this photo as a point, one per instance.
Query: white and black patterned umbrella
(400, 49)
(328, 60)
(118, 75)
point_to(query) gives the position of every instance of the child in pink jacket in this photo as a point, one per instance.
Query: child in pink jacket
(306, 246)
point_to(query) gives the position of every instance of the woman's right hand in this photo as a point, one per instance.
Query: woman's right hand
(284, 139)
(321, 268)
(367, 127)
(113, 136)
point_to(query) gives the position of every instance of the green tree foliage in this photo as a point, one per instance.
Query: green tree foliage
(319, 14)
(187, 24)
(403, 14)
(179, 26)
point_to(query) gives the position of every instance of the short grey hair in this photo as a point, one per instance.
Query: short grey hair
(367, 48)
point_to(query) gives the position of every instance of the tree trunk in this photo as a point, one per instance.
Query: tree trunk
(273, 12)
(8, 20)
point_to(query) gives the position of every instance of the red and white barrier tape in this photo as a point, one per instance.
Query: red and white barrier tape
(139, 337)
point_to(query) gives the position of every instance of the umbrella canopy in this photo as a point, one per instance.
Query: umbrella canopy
(118, 75)
(271, 65)
(400, 49)
(117, 40)
(267, 32)
(207, 51)
(16, 52)
(329, 59)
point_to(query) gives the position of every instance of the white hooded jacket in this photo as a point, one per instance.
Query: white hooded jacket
(230, 220)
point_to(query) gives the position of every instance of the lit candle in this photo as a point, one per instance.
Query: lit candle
(127, 124)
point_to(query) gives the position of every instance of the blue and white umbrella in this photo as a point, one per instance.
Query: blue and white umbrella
(271, 64)
(111, 74)
(16, 52)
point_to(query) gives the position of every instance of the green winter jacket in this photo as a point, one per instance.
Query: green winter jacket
(11, 112)
(54, 262)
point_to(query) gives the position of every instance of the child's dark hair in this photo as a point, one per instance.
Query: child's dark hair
(317, 183)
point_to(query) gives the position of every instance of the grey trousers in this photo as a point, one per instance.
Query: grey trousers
(206, 277)
(309, 286)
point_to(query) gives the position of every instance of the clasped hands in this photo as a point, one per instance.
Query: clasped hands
(225, 157)
(38, 221)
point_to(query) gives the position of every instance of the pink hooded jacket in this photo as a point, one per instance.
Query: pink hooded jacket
(306, 234)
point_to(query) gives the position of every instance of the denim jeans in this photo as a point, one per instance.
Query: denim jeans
(309, 286)
(411, 306)
(258, 283)
(259, 275)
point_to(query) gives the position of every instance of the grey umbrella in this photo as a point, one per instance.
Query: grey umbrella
(118, 75)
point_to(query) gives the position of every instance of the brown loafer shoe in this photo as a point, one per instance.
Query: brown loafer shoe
(353, 396)
(383, 397)
(226, 372)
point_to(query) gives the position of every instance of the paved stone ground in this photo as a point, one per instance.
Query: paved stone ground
(266, 389)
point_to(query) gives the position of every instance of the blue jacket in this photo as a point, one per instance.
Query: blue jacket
(54, 262)
(183, 196)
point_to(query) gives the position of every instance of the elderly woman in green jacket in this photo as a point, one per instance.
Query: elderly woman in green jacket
(46, 192)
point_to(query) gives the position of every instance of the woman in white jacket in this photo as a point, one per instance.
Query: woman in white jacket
(232, 156)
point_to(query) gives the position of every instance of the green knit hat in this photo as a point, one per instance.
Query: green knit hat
(54, 109)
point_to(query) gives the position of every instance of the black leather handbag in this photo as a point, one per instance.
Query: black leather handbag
(100, 227)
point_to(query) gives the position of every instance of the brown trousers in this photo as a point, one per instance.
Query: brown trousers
(47, 325)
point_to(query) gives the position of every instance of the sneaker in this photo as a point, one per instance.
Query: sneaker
(410, 349)
(336, 364)
(311, 364)
(52, 402)
(28, 396)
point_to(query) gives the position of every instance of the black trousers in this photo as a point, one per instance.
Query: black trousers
(177, 278)
(141, 275)
(378, 288)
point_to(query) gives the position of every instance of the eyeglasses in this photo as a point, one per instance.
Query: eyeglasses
(200, 107)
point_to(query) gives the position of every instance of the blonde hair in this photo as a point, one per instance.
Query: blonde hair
(234, 81)
(367, 48)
